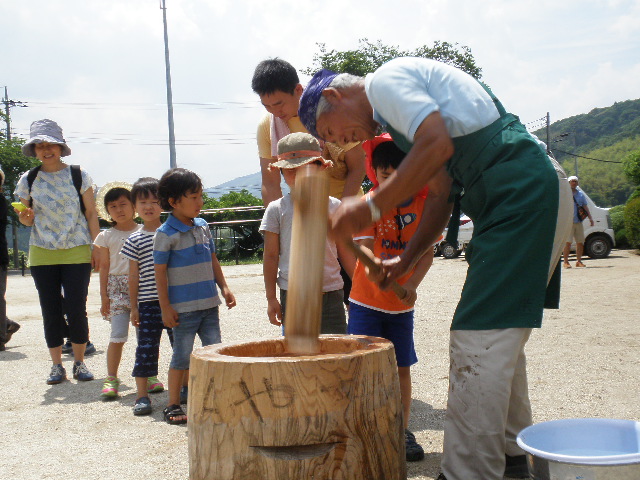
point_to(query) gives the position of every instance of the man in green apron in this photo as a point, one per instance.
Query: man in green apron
(475, 156)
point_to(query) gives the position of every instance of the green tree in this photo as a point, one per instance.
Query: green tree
(14, 164)
(235, 240)
(631, 167)
(233, 200)
(369, 56)
(632, 222)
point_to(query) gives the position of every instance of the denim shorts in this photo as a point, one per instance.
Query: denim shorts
(206, 323)
(395, 327)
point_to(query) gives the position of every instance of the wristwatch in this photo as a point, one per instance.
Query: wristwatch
(375, 211)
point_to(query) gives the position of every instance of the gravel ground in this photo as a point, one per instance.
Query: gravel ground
(583, 363)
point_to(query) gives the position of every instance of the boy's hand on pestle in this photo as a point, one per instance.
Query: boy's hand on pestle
(395, 268)
(375, 275)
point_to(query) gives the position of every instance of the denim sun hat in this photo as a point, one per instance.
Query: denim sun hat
(297, 149)
(310, 98)
(45, 131)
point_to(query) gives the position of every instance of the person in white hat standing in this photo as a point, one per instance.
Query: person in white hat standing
(62, 211)
(577, 230)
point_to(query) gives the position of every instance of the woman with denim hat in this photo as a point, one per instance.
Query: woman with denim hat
(62, 211)
(474, 155)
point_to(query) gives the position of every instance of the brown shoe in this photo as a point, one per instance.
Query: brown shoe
(580, 264)
(566, 265)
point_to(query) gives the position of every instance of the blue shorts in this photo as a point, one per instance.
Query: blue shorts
(396, 327)
(205, 323)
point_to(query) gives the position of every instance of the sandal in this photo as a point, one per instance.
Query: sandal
(142, 406)
(154, 385)
(171, 414)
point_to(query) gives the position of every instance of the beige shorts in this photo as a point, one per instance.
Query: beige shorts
(577, 233)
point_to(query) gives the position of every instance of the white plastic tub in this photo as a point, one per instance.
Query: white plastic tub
(583, 448)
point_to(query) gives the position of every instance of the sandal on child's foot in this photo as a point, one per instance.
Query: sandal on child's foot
(142, 406)
(174, 415)
(154, 385)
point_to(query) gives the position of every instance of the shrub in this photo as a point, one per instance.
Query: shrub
(617, 221)
(20, 255)
(632, 221)
(622, 241)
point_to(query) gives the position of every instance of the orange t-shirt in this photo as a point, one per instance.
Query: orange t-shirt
(390, 237)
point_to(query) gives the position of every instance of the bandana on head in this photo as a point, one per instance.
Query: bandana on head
(310, 98)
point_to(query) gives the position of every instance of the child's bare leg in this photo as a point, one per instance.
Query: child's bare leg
(114, 355)
(141, 386)
(404, 374)
(175, 382)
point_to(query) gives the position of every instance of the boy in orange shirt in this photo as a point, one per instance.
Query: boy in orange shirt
(381, 313)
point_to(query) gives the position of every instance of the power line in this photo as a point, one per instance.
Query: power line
(588, 158)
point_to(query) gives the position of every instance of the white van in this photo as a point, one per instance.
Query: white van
(465, 233)
(599, 238)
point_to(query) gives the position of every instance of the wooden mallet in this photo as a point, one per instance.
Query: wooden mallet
(306, 262)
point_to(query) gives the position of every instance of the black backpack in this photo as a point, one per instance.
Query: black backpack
(76, 176)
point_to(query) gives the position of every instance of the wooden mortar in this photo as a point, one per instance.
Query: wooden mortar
(257, 411)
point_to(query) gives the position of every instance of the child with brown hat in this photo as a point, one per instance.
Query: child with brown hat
(294, 151)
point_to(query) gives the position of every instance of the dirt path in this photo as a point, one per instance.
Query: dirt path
(584, 362)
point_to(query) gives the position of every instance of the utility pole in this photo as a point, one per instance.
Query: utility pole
(548, 134)
(14, 227)
(172, 138)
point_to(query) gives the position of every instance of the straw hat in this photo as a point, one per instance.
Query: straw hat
(100, 207)
(45, 131)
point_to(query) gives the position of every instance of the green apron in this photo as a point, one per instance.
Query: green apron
(507, 185)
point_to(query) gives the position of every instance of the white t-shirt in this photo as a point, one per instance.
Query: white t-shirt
(405, 91)
(278, 218)
(114, 240)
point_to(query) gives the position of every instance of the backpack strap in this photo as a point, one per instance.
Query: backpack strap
(76, 177)
(31, 176)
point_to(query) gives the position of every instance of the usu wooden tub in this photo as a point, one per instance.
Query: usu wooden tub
(257, 412)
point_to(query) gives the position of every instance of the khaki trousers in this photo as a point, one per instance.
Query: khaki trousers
(488, 402)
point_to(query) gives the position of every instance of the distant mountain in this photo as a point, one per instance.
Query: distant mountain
(593, 145)
(251, 182)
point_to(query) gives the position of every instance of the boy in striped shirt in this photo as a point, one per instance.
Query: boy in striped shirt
(187, 271)
(145, 308)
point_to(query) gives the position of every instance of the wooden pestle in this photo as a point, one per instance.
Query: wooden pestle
(367, 258)
(306, 261)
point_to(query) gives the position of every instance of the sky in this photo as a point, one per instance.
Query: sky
(97, 68)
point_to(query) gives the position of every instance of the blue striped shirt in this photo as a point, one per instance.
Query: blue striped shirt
(187, 251)
(139, 248)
